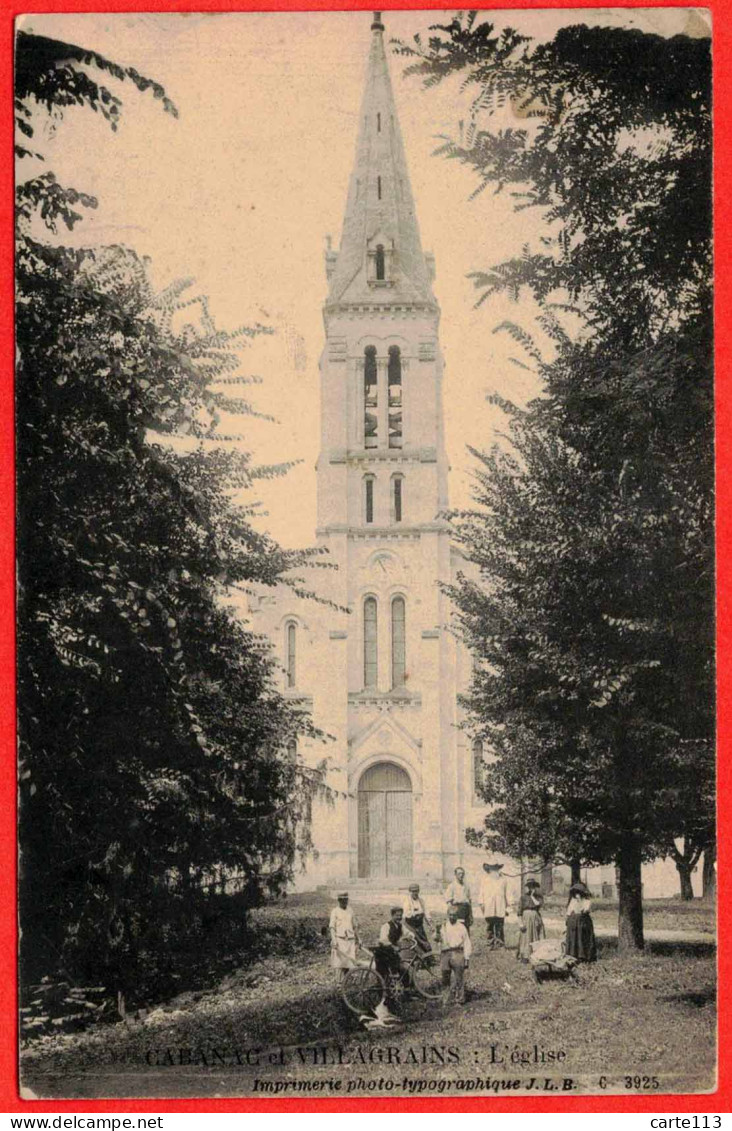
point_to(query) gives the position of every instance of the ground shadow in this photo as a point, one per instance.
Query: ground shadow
(698, 999)
(682, 949)
(658, 949)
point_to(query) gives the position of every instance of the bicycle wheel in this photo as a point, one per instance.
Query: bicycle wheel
(362, 990)
(426, 978)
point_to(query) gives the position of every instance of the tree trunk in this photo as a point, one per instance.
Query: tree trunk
(685, 862)
(684, 870)
(576, 871)
(709, 874)
(630, 905)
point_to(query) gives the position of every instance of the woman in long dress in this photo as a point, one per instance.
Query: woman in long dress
(532, 925)
(580, 942)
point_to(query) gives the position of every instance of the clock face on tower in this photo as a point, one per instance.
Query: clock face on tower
(384, 565)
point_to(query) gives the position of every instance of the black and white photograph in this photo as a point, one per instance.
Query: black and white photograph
(365, 554)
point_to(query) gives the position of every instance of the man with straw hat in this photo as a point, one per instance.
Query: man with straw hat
(493, 901)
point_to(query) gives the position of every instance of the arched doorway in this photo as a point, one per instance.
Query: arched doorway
(384, 822)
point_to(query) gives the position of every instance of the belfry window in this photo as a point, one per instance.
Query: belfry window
(371, 399)
(368, 498)
(380, 262)
(378, 123)
(378, 187)
(397, 497)
(398, 643)
(394, 392)
(292, 749)
(370, 645)
(478, 770)
(291, 668)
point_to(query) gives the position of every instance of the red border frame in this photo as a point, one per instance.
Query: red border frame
(9, 1098)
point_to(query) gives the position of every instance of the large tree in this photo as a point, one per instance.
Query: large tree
(153, 741)
(593, 615)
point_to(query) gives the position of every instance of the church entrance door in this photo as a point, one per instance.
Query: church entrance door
(384, 822)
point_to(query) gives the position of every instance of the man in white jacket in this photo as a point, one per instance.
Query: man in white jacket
(493, 902)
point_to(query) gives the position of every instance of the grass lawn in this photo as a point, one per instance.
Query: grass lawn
(658, 914)
(641, 1023)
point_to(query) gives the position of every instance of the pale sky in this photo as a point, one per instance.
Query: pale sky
(242, 189)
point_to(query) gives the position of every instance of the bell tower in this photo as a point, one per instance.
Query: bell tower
(382, 462)
(382, 487)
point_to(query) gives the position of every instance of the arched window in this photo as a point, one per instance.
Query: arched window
(378, 190)
(371, 399)
(292, 749)
(291, 667)
(394, 393)
(398, 643)
(478, 770)
(378, 123)
(380, 262)
(370, 644)
(368, 498)
(397, 497)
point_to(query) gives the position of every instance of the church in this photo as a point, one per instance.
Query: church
(383, 678)
(379, 668)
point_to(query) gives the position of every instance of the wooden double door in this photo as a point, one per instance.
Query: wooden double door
(384, 822)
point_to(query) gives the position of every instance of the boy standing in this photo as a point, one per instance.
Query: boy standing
(456, 949)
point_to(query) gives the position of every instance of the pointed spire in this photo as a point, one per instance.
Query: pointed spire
(380, 257)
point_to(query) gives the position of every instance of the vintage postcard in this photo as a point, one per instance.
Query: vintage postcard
(365, 470)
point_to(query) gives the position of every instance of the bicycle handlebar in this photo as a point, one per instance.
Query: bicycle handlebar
(410, 946)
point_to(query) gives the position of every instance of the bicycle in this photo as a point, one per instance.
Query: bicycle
(363, 988)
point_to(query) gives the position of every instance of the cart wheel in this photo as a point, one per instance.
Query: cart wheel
(425, 979)
(362, 990)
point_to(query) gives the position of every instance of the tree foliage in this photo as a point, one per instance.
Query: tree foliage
(153, 741)
(592, 617)
(615, 154)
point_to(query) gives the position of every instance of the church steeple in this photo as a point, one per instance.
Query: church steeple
(380, 257)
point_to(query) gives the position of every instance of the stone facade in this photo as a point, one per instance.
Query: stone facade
(382, 678)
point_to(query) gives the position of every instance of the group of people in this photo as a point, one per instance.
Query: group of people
(579, 940)
(406, 921)
(493, 900)
(495, 904)
(410, 920)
